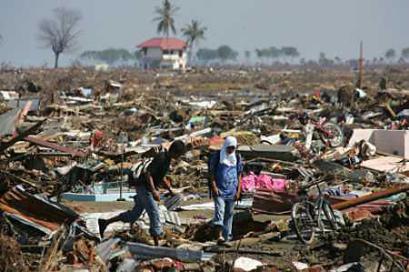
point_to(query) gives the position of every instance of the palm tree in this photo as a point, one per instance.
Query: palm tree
(247, 55)
(390, 54)
(166, 22)
(193, 32)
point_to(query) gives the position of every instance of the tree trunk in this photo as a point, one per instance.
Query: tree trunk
(57, 55)
(190, 56)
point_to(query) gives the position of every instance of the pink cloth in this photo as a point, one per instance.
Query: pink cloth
(248, 183)
(252, 182)
(279, 185)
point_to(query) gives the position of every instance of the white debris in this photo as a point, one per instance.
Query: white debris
(300, 266)
(246, 264)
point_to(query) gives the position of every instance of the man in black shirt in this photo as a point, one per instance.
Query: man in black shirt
(147, 188)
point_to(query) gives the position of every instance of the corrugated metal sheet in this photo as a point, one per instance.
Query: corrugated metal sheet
(36, 209)
(173, 202)
(8, 122)
(26, 222)
(34, 103)
(128, 265)
(172, 218)
(106, 248)
(142, 251)
(306, 173)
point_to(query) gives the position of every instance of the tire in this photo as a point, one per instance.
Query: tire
(330, 215)
(303, 221)
(337, 138)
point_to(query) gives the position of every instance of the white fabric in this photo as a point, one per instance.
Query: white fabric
(225, 158)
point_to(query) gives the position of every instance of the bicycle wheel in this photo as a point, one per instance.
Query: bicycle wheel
(337, 137)
(330, 215)
(303, 220)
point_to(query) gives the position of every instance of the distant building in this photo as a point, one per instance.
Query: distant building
(163, 53)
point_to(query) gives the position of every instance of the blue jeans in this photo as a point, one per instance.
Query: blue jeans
(144, 201)
(223, 215)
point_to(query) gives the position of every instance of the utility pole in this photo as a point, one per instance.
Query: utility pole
(361, 66)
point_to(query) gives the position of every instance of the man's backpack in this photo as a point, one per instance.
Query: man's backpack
(138, 170)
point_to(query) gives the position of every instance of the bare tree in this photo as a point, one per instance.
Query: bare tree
(60, 33)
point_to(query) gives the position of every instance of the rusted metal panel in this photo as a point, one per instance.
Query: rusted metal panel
(270, 202)
(36, 209)
(73, 152)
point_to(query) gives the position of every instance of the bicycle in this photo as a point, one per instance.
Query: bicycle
(329, 133)
(309, 217)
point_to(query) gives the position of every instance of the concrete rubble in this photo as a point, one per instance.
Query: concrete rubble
(69, 135)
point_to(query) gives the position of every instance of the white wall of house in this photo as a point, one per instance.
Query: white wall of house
(169, 59)
(154, 53)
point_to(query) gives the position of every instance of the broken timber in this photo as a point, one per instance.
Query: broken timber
(369, 198)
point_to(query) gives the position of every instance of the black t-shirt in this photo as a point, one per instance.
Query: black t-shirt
(158, 169)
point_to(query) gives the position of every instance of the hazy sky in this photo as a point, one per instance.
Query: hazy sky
(331, 26)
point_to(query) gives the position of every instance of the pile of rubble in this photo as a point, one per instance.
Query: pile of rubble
(68, 141)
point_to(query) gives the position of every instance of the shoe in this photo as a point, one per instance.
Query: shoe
(218, 232)
(221, 240)
(102, 224)
(156, 240)
(219, 235)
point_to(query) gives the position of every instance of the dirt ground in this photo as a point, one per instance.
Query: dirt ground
(284, 248)
(99, 207)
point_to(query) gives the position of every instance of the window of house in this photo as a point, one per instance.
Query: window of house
(180, 53)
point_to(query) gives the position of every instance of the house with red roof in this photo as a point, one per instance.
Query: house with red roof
(163, 53)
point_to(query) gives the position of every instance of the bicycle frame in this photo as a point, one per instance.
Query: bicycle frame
(318, 206)
(320, 129)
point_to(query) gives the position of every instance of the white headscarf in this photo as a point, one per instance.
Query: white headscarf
(225, 158)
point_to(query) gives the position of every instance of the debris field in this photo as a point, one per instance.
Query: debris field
(324, 183)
